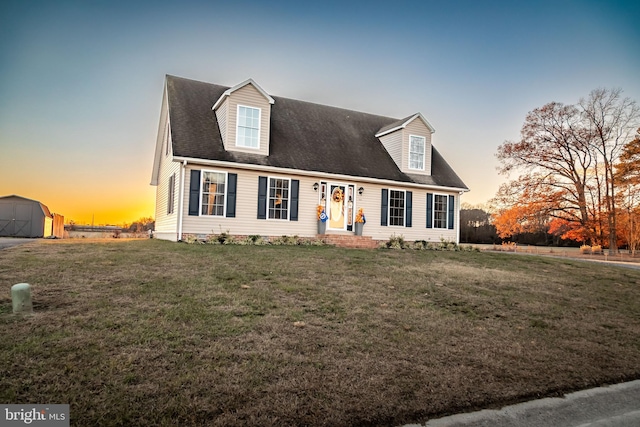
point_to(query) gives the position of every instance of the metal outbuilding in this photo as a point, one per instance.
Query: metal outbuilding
(22, 217)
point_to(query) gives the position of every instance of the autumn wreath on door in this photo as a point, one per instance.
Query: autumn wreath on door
(336, 211)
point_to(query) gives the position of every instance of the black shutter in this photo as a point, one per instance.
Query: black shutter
(409, 213)
(295, 189)
(429, 210)
(262, 197)
(194, 192)
(232, 183)
(384, 210)
(351, 190)
(452, 210)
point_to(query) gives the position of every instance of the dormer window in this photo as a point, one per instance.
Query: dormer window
(248, 129)
(416, 152)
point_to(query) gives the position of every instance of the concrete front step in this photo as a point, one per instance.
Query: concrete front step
(349, 241)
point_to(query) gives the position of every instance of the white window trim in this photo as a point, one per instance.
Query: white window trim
(424, 150)
(238, 126)
(446, 211)
(269, 178)
(226, 192)
(404, 213)
(171, 195)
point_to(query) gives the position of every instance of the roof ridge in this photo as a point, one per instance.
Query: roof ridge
(284, 98)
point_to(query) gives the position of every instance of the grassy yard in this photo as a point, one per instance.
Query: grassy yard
(154, 333)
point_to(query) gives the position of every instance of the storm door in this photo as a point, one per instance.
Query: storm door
(339, 207)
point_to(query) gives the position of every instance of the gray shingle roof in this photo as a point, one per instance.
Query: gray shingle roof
(303, 136)
(394, 125)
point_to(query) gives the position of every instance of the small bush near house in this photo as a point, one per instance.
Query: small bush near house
(256, 240)
(395, 242)
(192, 239)
(224, 238)
(398, 242)
(421, 245)
(285, 241)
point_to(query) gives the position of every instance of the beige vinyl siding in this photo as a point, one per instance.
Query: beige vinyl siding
(417, 128)
(166, 225)
(246, 222)
(392, 142)
(248, 96)
(371, 202)
(221, 115)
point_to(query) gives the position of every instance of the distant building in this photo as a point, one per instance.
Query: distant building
(22, 217)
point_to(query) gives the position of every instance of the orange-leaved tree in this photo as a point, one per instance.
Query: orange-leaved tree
(611, 121)
(554, 160)
(628, 174)
(565, 158)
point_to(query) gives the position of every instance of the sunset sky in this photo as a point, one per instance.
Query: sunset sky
(81, 82)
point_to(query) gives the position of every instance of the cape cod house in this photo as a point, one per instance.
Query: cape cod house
(239, 160)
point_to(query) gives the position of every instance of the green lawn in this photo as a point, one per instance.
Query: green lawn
(155, 333)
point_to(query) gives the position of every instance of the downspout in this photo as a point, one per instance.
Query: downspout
(183, 167)
(458, 216)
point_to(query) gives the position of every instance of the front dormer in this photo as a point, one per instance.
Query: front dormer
(408, 142)
(244, 116)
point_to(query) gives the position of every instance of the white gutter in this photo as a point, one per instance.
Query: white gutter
(183, 167)
(325, 175)
(458, 216)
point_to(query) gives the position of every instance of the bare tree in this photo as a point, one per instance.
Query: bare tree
(611, 121)
(567, 157)
(555, 159)
(628, 176)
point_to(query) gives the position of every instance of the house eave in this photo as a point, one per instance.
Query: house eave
(240, 86)
(406, 123)
(319, 175)
(164, 114)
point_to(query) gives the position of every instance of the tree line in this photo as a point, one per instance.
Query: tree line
(477, 226)
(577, 173)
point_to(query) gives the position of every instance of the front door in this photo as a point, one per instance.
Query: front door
(336, 207)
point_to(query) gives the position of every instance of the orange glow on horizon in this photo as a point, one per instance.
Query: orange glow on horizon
(111, 207)
(124, 213)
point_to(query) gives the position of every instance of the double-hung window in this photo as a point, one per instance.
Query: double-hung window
(416, 152)
(213, 193)
(248, 129)
(440, 211)
(396, 207)
(279, 198)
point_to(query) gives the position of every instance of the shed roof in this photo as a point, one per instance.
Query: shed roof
(45, 209)
(303, 136)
